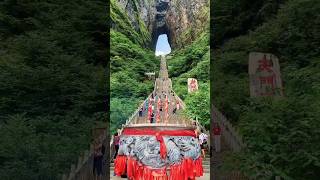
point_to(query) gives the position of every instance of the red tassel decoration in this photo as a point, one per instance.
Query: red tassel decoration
(159, 174)
(131, 168)
(198, 167)
(176, 172)
(188, 168)
(120, 165)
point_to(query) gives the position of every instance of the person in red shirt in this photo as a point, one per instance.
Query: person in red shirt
(116, 142)
(217, 137)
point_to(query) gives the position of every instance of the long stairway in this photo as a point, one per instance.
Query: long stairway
(162, 93)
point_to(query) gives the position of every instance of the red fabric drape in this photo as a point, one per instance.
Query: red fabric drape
(147, 174)
(163, 149)
(187, 170)
(149, 111)
(139, 172)
(120, 165)
(131, 168)
(159, 174)
(198, 167)
(176, 172)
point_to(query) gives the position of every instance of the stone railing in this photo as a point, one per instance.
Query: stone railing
(231, 136)
(83, 170)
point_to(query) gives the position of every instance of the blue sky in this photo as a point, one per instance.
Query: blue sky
(163, 46)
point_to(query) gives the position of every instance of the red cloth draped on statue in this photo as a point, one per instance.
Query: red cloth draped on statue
(176, 172)
(163, 149)
(159, 134)
(198, 167)
(159, 174)
(120, 165)
(131, 168)
(188, 169)
(139, 172)
(147, 174)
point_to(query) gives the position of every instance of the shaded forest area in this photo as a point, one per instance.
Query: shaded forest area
(282, 134)
(53, 84)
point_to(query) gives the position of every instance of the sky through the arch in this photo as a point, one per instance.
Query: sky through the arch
(162, 47)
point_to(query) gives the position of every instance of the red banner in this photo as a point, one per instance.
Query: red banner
(150, 110)
(167, 114)
(158, 110)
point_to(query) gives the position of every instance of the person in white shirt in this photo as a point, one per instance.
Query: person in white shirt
(203, 138)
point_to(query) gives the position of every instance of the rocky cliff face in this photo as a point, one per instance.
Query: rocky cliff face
(186, 19)
(181, 20)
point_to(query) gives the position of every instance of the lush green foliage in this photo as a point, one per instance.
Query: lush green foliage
(282, 133)
(233, 18)
(52, 84)
(193, 62)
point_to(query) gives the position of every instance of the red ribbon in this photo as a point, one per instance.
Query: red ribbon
(163, 149)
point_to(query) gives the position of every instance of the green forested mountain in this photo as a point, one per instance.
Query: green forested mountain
(52, 84)
(282, 134)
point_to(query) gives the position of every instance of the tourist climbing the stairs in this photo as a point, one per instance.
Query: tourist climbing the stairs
(174, 110)
(152, 118)
(140, 112)
(203, 138)
(178, 105)
(217, 137)
(116, 142)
